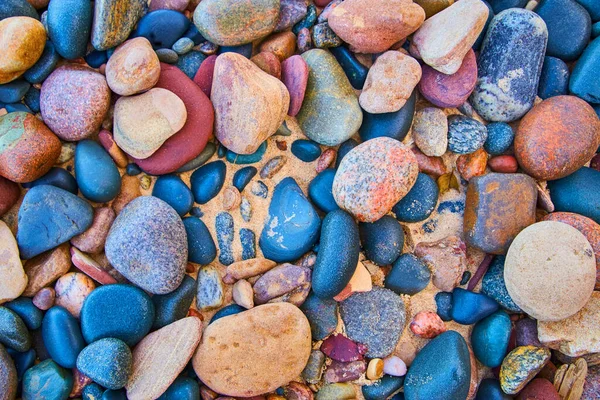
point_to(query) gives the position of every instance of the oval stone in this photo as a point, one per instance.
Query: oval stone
(175, 305)
(13, 331)
(322, 315)
(554, 80)
(320, 190)
(62, 336)
(490, 337)
(13, 280)
(97, 175)
(465, 135)
(8, 375)
(173, 191)
(520, 366)
(207, 181)
(409, 275)
(419, 202)
(22, 41)
(29, 313)
(575, 193)
(106, 361)
(58, 177)
(47, 380)
(114, 20)
(382, 240)
(69, 35)
(133, 67)
(395, 124)
(201, 246)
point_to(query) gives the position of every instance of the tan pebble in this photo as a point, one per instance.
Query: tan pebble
(360, 282)
(71, 290)
(90, 267)
(249, 268)
(145, 182)
(325, 160)
(430, 131)
(67, 152)
(133, 67)
(570, 379)
(531, 5)
(22, 41)
(44, 269)
(375, 369)
(92, 240)
(13, 279)
(130, 189)
(231, 198)
(243, 295)
(281, 44)
(44, 299)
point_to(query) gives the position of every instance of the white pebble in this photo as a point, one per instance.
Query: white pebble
(394, 366)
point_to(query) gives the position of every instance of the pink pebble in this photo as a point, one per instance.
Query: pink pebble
(294, 74)
(394, 366)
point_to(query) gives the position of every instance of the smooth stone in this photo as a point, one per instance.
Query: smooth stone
(14, 91)
(182, 389)
(243, 50)
(554, 79)
(526, 333)
(231, 309)
(409, 275)
(13, 280)
(320, 191)
(330, 112)
(500, 5)
(28, 149)
(47, 380)
(355, 71)
(574, 193)
(15, 8)
(510, 64)
(470, 307)
(592, 7)
(114, 20)
(211, 291)
(44, 299)
(248, 369)
(321, 314)
(173, 191)
(207, 181)
(336, 391)
(224, 226)
(74, 101)
(500, 137)
(10, 192)
(447, 260)
(442, 366)
(201, 246)
(253, 158)
(13, 331)
(93, 240)
(520, 366)
(550, 270)
(419, 202)
(183, 46)
(383, 388)
(290, 12)
(443, 302)
(8, 375)
(375, 319)
(175, 305)
(337, 258)
(120, 311)
(306, 150)
(96, 58)
(177, 5)
(71, 290)
(284, 237)
(490, 338)
(373, 177)
(133, 67)
(47, 206)
(107, 362)
(162, 28)
(190, 63)
(433, 7)
(294, 75)
(44, 269)
(62, 336)
(32, 99)
(542, 388)
(465, 135)
(489, 389)
(382, 240)
(29, 313)
(69, 35)
(430, 131)
(286, 282)
(199, 160)
(22, 41)
(243, 177)
(493, 285)
(394, 125)
(443, 51)
(324, 37)
(148, 229)
(97, 175)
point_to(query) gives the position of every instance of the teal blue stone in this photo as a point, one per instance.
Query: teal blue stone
(13, 92)
(120, 311)
(243, 176)
(306, 150)
(443, 302)
(255, 157)
(62, 336)
(199, 160)
(578, 193)
(44, 66)
(182, 389)
(47, 381)
(584, 82)
(596, 30)
(395, 124)
(500, 137)
(32, 99)
(470, 307)
(173, 191)
(383, 388)
(554, 80)
(490, 337)
(175, 305)
(70, 35)
(201, 246)
(308, 21)
(17, 8)
(97, 174)
(93, 391)
(190, 62)
(494, 286)
(354, 70)
(29, 313)
(231, 309)
(207, 181)
(162, 28)
(59, 177)
(114, 395)
(593, 7)
(321, 314)
(489, 389)
(409, 275)
(419, 202)
(382, 240)
(13, 331)
(107, 362)
(441, 370)
(320, 191)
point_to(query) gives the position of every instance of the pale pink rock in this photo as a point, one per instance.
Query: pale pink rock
(90, 267)
(44, 299)
(294, 74)
(177, 5)
(243, 295)
(394, 366)
(92, 240)
(448, 260)
(133, 68)
(360, 282)
(71, 290)
(427, 324)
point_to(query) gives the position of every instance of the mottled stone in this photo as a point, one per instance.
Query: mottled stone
(465, 134)
(290, 12)
(211, 290)
(8, 376)
(269, 63)
(493, 285)
(9, 194)
(93, 239)
(427, 324)
(71, 290)
(280, 281)
(47, 380)
(46, 268)
(13, 279)
(472, 165)
(447, 258)
(107, 362)
(281, 44)
(22, 41)
(114, 20)
(133, 67)
(520, 366)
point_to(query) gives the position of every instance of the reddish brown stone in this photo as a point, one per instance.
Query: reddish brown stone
(79, 382)
(294, 74)
(268, 62)
(44, 299)
(449, 90)
(595, 163)
(322, 3)
(506, 164)
(344, 372)
(447, 259)
(430, 165)
(130, 189)
(9, 194)
(340, 348)
(304, 40)
(539, 389)
(282, 44)
(44, 269)
(177, 5)
(188, 142)
(472, 165)
(92, 240)
(118, 155)
(497, 208)
(427, 324)
(203, 77)
(557, 137)
(325, 160)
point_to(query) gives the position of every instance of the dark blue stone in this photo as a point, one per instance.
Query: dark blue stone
(201, 246)
(13, 331)
(338, 254)
(398, 396)
(243, 176)
(321, 314)
(382, 240)
(93, 391)
(592, 7)
(224, 226)
(493, 285)
(121, 311)
(500, 137)
(96, 58)
(443, 302)
(70, 35)
(62, 336)
(293, 224)
(308, 21)
(596, 30)
(260, 189)
(97, 175)
(47, 380)
(13, 92)
(133, 170)
(383, 388)
(44, 66)
(175, 305)
(194, 34)
(306, 150)
(409, 275)
(577, 193)
(395, 124)
(320, 191)
(465, 135)
(244, 50)
(32, 99)
(255, 157)
(23, 361)
(490, 337)
(343, 150)
(569, 27)
(248, 242)
(597, 109)
(227, 310)
(107, 362)
(222, 151)
(479, 41)
(58, 177)
(470, 307)
(500, 5)
(29, 313)
(354, 70)
(17, 107)
(174, 192)
(466, 276)
(489, 389)
(48, 217)
(441, 370)
(207, 181)
(419, 202)
(182, 389)
(190, 62)
(114, 395)
(17, 8)
(162, 28)
(584, 80)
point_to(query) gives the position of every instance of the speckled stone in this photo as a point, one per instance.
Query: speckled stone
(493, 285)
(114, 20)
(290, 12)
(321, 314)
(175, 305)
(13, 331)
(133, 67)
(69, 35)
(22, 41)
(520, 366)
(211, 291)
(465, 134)
(591, 388)
(147, 244)
(107, 362)
(419, 202)
(74, 101)
(8, 376)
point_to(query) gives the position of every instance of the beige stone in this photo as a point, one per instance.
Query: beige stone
(243, 294)
(249, 268)
(430, 131)
(71, 290)
(22, 41)
(254, 352)
(12, 277)
(550, 270)
(360, 282)
(44, 269)
(133, 68)
(444, 39)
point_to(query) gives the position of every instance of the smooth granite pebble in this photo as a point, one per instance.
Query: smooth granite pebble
(62, 336)
(465, 135)
(173, 191)
(409, 275)
(224, 225)
(382, 240)
(500, 137)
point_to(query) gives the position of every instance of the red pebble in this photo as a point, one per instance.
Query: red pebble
(90, 267)
(109, 144)
(325, 160)
(427, 324)
(294, 75)
(506, 164)
(340, 348)
(9, 194)
(595, 163)
(472, 165)
(429, 165)
(539, 389)
(204, 76)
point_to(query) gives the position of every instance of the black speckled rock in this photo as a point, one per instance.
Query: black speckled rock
(224, 226)
(8, 375)
(374, 318)
(175, 305)
(13, 332)
(321, 314)
(147, 243)
(509, 65)
(382, 240)
(465, 135)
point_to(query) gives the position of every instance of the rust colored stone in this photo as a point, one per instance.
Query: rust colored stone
(130, 189)
(430, 165)
(506, 164)
(472, 165)
(539, 389)
(325, 160)
(282, 44)
(107, 141)
(44, 269)
(9, 194)
(203, 77)
(22, 41)
(427, 324)
(268, 62)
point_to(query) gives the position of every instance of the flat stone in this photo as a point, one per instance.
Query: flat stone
(22, 41)
(107, 362)
(44, 269)
(582, 83)
(93, 239)
(133, 67)
(114, 20)
(13, 280)
(47, 380)
(447, 258)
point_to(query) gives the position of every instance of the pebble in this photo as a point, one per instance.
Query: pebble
(241, 159)
(69, 35)
(174, 306)
(539, 388)
(419, 202)
(526, 333)
(470, 307)
(336, 391)
(114, 20)
(330, 112)
(465, 134)
(190, 62)
(97, 175)
(107, 362)
(234, 353)
(510, 64)
(183, 46)
(430, 131)
(409, 275)
(490, 339)
(320, 191)
(395, 125)
(493, 285)
(269, 63)
(13, 280)
(62, 336)
(290, 13)
(201, 246)
(281, 283)
(427, 324)
(443, 302)
(355, 71)
(93, 240)
(443, 52)
(500, 137)
(231, 309)
(162, 28)
(13, 331)
(447, 258)
(167, 56)
(245, 209)
(148, 229)
(22, 41)
(340, 348)
(306, 150)
(133, 68)
(489, 389)
(282, 44)
(472, 165)
(324, 37)
(321, 314)
(224, 226)
(375, 319)
(47, 380)
(11, 8)
(182, 388)
(243, 294)
(582, 83)
(548, 290)
(382, 240)
(344, 372)
(591, 387)
(71, 290)
(14, 91)
(520, 366)
(120, 311)
(9, 195)
(272, 166)
(8, 375)
(44, 269)
(172, 190)
(90, 267)
(207, 181)
(573, 193)
(314, 367)
(29, 313)
(294, 73)
(211, 292)
(394, 366)
(554, 79)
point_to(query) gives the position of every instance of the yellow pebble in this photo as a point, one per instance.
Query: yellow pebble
(375, 369)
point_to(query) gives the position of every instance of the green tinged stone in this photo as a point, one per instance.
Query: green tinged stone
(330, 112)
(337, 391)
(114, 20)
(520, 366)
(13, 332)
(11, 130)
(47, 381)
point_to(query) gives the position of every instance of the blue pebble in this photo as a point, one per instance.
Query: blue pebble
(409, 275)
(17, 8)
(419, 202)
(62, 336)
(194, 34)
(383, 388)
(500, 137)
(306, 150)
(443, 302)
(23, 361)
(107, 361)
(58, 177)
(344, 149)
(200, 159)
(500, 5)
(382, 240)
(248, 242)
(222, 151)
(70, 35)
(173, 191)
(133, 170)
(260, 189)
(174, 306)
(577, 193)
(456, 207)
(554, 80)
(114, 395)
(162, 28)
(354, 70)
(465, 135)
(243, 176)
(201, 246)
(479, 41)
(584, 82)
(231, 309)
(29, 313)
(224, 226)
(395, 124)
(244, 50)
(182, 389)
(596, 30)
(246, 209)
(93, 391)
(207, 181)
(490, 338)
(493, 285)
(44, 66)
(13, 331)
(255, 157)
(197, 212)
(32, 99)
(593, 7)
(320, 191)
(190, 62)
(96, 58)
(308, 21)
(597, 109)
(17, 107)
(322, 315)
(489, 389)
(470, 307)
(286, 237)
(97, 175)
(183, 45)
(47, 380)
(13, 92)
